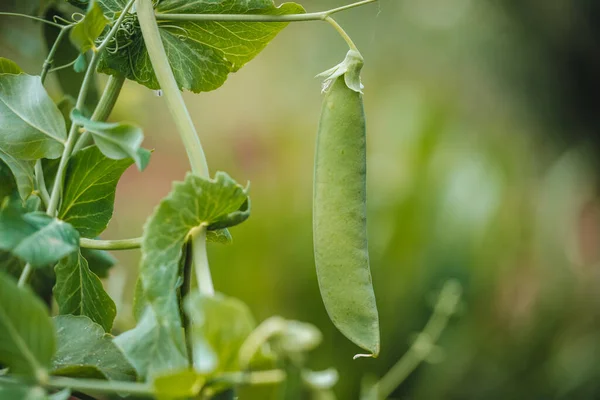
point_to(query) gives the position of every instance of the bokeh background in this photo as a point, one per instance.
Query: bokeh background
(482, 145)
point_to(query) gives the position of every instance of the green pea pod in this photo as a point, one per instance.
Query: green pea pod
(339, 208)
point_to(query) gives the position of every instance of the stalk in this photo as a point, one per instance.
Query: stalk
(122, 244)
(316, 16)
(200, 261)
(72, 135)
(168, 84)
(107, 102)
(422, 347)
(188, 134)
(50, 58)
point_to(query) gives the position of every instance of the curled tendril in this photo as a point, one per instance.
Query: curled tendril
(185, 33)
(77, 17)
(58, 19)
(125, 34)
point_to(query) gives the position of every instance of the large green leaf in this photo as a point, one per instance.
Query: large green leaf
(152, 347)
(9, 67)
(117, 140)
(201, 54)
(27, 338)
(178, 385)
(22, 171)
(89, 195)
(35, 237)
(82, 344)
(84, 34)
(8, 186)
(78, 291)
(99, 261)
(193, 203)
(40, 282)
(220, 325)
(32, 126)
(19, 391)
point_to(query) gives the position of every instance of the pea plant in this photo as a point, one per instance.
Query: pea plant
(59, 167)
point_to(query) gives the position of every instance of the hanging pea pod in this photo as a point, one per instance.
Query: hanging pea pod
(339, 208)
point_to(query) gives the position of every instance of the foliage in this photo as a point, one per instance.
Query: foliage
(58, 193)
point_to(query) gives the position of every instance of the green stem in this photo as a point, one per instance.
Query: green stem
(185, 127)
(342, 33)
(105, 106)
(267, 377)
(64, 66)
(122, 244)
(25, 274)
(186, 287)
(200, 261)
(171, 92)
(50, 58)
(72, 135)
(109, 97)
(422, 347)
(41, 183)
(39, 173)
(101, 386)
(316, 16)
(9, 14)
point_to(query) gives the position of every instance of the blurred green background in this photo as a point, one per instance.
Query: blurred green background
(482, 167)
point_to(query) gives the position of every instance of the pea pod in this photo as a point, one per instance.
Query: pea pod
(339, 208)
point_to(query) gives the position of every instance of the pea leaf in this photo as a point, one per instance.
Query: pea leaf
(152, 348)
(23, 173)
(116, 140)
(89, 195)
(9, 67)
(35, 237)
(85, 32)
(182, 384)
(99, 261)
(221, 324)
(32, 126)
(82, 344)
(64, 394)
(27, 338)
(79, 3)
(8, 186)
(191, 204)
(20, 391)
(201, 54)
(78, 291)
(41, 282)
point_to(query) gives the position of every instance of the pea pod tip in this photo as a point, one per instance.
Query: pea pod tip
(368, 355)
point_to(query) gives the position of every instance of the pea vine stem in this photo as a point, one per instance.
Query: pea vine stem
(316, 16)
(168, 84)
(185, 127)
(187, 132)
(72, 135)
(424, 344)
(200, 261)
(342, 33)
(105, 106)
(122, 244)
(139, 389)
(50, 58)
(9, 14)
(101, 386)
